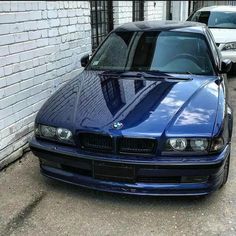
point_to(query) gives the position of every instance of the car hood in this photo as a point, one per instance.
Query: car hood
(224, 35)
(94, 101)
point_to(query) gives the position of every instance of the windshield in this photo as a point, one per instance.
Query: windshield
(165, 51)
(222, 20)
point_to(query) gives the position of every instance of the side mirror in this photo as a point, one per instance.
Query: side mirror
(226, 65)
(84, 60)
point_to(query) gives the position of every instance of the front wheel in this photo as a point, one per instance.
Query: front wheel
(226, 172)
(232, 72)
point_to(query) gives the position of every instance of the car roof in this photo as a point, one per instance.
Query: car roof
(219, 8)
(186, 26)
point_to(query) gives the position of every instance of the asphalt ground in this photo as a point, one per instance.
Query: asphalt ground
(31, 204)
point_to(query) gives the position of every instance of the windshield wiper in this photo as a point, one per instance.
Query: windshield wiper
(152, 75)
(139, 75)
(146, 75)
(188, 72)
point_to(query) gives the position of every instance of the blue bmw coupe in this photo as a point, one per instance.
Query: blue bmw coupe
(149, 115)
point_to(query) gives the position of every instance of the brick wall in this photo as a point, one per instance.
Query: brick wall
(41, 44)
(155, 10)
(179, 10)
(123, 12)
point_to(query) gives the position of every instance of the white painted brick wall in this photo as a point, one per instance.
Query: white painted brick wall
(41, 44)
(179, 10)
(123, 12)
(155, 10)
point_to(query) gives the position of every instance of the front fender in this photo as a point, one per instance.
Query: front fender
(224, 120)
(230, 120)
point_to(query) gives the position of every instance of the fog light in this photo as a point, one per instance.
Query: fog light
(49, 163)
(194, 179)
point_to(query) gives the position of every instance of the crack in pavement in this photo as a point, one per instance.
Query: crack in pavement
(18, 220)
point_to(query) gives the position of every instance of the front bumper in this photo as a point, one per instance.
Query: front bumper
(159, 176)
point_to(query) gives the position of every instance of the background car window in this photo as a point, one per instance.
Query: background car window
(167, 51)
(216, 19)
(201, 16)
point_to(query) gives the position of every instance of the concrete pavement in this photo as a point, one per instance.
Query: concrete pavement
(33, 205)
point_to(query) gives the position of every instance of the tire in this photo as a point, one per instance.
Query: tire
(226, 172)
(232, 72)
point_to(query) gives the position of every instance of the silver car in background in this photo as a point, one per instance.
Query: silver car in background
(221, 20)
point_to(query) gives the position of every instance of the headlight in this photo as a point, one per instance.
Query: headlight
(64, 134)
(178, 144)
(188, 145)
(229, 46)
(53, 133)
(195, 145)
(199, 144)
(47, 131)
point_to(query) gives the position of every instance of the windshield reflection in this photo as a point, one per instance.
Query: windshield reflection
(163, 51)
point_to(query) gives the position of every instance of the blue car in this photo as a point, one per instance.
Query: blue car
(149, 115)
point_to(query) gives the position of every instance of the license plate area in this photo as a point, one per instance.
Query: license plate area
(114, 172)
